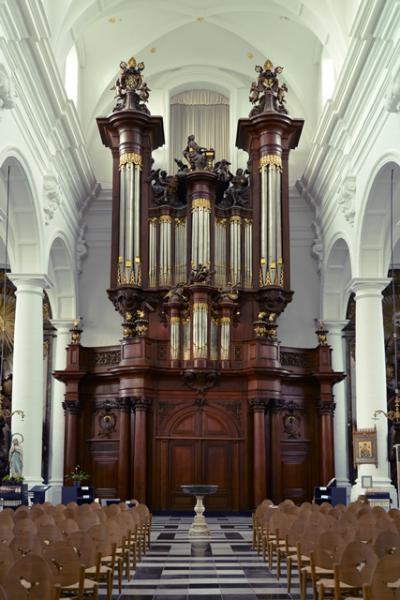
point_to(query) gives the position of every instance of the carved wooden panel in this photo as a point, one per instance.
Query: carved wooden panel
(296, 471)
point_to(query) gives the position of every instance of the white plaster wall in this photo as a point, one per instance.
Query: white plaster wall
(296, 325)
(101, 324)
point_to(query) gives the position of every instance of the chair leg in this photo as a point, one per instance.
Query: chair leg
(120, 576)
(109, 584)
(303, 585)
(289, 574)
(278, 563)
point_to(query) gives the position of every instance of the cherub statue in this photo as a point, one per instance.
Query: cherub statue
(238, 192)
(221, 169)
(130, 81)
(266, 93)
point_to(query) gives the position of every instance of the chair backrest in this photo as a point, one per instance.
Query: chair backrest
(6, 520)
(30, 579)
(6, 561)
(387, 542)
(27, 544)
(49, 534)
(357, 563)
(25, 526)
(44, 520)
(64, 562)
(68, 526)
(329, 549)
(87, 520)
(84, 547)
(386, 573)
(6, 534)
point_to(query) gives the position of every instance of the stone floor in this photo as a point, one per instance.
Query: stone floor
(223, 566)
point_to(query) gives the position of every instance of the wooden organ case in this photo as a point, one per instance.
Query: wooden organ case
(200, 389)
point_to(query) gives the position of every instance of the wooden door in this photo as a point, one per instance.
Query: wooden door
(201, 446)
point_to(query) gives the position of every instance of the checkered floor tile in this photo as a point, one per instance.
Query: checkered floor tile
(224, 566)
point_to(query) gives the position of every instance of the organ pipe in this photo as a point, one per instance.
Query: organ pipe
(271, 263)
(214, 339)
(200, 329)
(201, 210)
(248, 252)
(165, 250)
(220, 252)
(180, 250)
(153, 252)
(186, 338)
(225, 337)
(129, 258)
(175, 325)
(235, 248)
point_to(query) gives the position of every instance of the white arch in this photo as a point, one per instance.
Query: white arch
(337, 275)
(61, 271)
(373, 248)
(25, 225)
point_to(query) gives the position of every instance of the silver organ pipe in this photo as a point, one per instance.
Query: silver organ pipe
(235, 249)
(201, 210)
(129, 260)
(248, 252)
(225, 337)
(271, 264)
(220, 251)
(180, 250)
(214, 338)
(165, 250)
(153, 252)
(175, 326)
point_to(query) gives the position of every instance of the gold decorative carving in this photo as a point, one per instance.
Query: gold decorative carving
(270, 159)
(201, 203)
(130, 158)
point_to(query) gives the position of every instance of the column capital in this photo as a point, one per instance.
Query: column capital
(369, 287)
(62, 325)
(258, 405)
(30, 282)
(335, 327)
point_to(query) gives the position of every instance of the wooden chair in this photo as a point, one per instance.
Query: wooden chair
(6, 535)
(327, 552)
(99, 536)
(295, 532)
(356, 566)
(49, 534)
(6, 561)
(145, 520)
(26, 544)
(23, 526)
(30, 579)
(3, 595)
(90, 558)
(68, 572)
(6, 519)
(68, 526)
(387, 542)
(279, 527)
(385, 583)
(301, 559)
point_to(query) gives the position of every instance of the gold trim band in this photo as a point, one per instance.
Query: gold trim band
(201, 203)
(271, 159)
(130, 158)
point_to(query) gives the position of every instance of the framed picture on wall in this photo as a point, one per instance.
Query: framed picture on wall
(364, 446)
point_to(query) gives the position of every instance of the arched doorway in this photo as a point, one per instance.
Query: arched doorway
(198, 445)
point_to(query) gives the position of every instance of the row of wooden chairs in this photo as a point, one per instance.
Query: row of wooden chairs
(51, 552)
(340, 551)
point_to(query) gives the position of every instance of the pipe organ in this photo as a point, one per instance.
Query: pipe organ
(199, 388)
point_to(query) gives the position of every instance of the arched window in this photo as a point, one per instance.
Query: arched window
(71, 75)
(204, 113)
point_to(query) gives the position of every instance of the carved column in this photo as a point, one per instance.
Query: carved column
(140, 457)
(327, 377)
(258, 406)
(27, 386)
(326, 468)
(72, 410)
(124, 466)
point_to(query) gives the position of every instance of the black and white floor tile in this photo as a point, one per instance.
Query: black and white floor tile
(221, 567)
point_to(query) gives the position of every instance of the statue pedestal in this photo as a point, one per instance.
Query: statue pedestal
(199, 526)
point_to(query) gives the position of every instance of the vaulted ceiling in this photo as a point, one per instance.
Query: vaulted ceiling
(184, 42)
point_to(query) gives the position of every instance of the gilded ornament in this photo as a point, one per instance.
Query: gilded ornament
(270, 159)
(201, 203)
(130, 158)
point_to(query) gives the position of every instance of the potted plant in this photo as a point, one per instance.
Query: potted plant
(16, 480)
(77, 476)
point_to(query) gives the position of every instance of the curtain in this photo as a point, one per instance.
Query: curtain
(204, 113)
